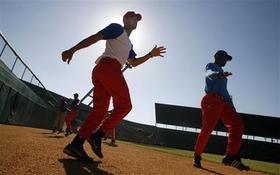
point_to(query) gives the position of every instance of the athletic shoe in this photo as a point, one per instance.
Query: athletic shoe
(77, 152)
(60, 131)
(95, 142)
(235, 161)
(113, 143)
(68, 132)
(196, 161)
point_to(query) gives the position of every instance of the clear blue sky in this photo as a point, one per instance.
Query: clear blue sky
(192, 31)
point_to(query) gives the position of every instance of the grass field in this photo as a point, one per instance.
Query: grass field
(266, 167)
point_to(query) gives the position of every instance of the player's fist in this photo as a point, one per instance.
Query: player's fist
(67, 56)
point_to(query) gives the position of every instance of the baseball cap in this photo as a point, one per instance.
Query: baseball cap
(132, 13)
(220, 53)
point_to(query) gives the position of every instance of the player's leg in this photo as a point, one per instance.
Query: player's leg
(101, 101)
(122, 104)
(235, 127)
(211, 110)
(71, 115)
(114, 82)
(56, 122)
(61, 121)
(113, 138)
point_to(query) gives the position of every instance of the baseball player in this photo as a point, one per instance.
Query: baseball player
(61, 116)
(108, 82)
(217, 104)
(72, 114)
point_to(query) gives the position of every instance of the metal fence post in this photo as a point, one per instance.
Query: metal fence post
(3, 49)
(14, 64)
(23, 73)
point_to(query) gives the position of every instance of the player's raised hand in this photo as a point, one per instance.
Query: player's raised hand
(158, 51)
(67, 56)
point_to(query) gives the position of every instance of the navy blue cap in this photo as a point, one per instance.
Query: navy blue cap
(220, 53)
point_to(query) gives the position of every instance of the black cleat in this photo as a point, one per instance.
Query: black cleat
(77, 152)
(54, 130)
(235, 161)
(60, 131)
(113, 143)
(196, 161)
(95, 142)
(68, 132)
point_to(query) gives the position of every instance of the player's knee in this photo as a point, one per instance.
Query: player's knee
(123, 107)
(239, 125)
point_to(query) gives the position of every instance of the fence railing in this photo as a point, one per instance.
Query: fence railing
(14, 62)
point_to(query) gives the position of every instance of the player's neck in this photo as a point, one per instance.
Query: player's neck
(128, 31)
(216, 62)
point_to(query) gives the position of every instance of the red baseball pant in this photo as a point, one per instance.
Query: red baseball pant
(108, 82)
(215, 108)
(71, 115)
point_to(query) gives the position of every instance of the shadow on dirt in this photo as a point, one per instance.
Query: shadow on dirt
(56, 137)
(73, 167)
(211, 171)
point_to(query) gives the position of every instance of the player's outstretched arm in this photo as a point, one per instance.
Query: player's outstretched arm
(224, 74)
(156, 51)
(68, 54)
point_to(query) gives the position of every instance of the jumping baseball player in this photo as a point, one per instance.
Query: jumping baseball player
(108, 82)
(217, 104)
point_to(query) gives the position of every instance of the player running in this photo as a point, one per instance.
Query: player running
(217, 104)
(108, 82)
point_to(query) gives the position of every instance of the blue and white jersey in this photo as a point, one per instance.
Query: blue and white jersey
(118, 44)
(214, 84)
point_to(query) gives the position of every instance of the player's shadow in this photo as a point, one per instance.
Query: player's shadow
(211, 171)
(43, 133)
(73, 167)
(56, 137)
(110, 144)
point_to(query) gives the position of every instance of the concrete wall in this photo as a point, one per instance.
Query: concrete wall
(19, 110)
(147, 134)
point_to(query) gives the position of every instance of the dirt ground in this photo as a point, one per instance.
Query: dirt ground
(26, 150)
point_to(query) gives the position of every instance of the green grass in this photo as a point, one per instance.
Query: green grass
(266, 167)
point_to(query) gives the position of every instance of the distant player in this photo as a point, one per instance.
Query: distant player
(217, 104)
(72, 114)
(61, 116)
(108, 82)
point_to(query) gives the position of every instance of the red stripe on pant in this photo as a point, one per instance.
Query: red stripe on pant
(108, 82)
(213, 109)
(71, 115)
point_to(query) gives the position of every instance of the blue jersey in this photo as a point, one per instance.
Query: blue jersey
(214, 84)
(118, 44)
(74, 104)
(63, 106)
